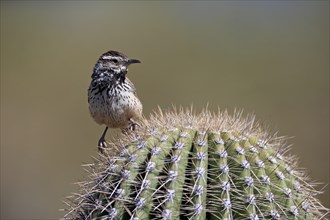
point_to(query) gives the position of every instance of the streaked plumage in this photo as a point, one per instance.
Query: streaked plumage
(111, 95)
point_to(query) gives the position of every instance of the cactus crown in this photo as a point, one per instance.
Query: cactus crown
(181, 165)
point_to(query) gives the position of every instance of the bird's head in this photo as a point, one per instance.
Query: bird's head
(115, 63)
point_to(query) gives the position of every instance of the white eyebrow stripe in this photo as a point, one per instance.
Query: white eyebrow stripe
(107, 57)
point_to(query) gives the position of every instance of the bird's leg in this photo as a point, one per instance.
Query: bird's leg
(102, 143)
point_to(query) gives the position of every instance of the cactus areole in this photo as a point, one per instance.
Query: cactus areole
(181, 165)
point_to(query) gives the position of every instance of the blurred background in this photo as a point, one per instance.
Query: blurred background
(270, 58)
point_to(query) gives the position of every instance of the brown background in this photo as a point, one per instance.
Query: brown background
(268, 57)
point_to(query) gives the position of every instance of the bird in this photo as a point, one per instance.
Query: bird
(112, 97)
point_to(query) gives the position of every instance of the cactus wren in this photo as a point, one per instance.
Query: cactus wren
(112, 96)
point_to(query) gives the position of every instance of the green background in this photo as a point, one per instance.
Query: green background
(270, 58)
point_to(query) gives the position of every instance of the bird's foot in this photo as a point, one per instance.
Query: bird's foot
(132, 125)
(102, 145)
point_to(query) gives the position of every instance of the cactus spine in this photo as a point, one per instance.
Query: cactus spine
(181, 165)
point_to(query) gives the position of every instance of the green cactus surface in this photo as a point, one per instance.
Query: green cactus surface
(181, 165)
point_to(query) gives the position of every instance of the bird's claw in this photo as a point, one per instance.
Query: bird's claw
(102, 145)
(132, 125)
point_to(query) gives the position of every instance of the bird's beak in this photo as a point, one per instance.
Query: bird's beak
(130, 61)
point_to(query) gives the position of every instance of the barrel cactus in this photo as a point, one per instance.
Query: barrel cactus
(181, 165)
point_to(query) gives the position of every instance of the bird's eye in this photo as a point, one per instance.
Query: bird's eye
(115, 60)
